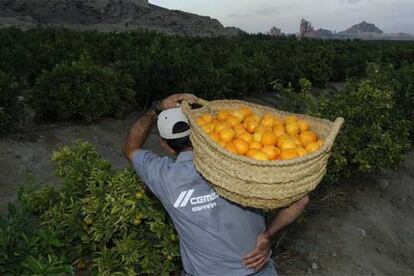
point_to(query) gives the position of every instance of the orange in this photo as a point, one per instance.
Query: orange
(239, 114)
(312, 147)
(268, 139)
(292, 128)
(241, 146)
(303, 125)
(255, 145)
(287, 144)
(227, 134)
(221, 125)
(278, 132)
(239, 129)
(257, 137)
(268, 114)
(246, 137)
(260, 128)
(252, 152)
(277, 121)
(267, 121)
(296, 141)
(281, 139)
(200, 121)
(288, 154)
(307, 137)
(301, 151)
(222, 143)
(231, 147)
(271, 151)
(291, 119)
(233, 120)
(251, 126)
(222, 115)
(260, 155)
(207, 118)
(245, 110)
(208, 128)
(215, 137)
(253, 117)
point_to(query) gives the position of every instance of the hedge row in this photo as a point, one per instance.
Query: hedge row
(60, 68)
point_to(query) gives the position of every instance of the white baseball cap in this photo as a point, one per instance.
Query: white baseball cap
(168, 119)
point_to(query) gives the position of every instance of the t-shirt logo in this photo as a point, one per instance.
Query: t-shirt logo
(185, 197)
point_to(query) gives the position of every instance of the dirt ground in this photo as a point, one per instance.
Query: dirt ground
(362, 229)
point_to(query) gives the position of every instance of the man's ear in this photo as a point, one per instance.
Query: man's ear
(167, 147)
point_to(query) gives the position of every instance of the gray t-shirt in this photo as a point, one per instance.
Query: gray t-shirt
(214, 233)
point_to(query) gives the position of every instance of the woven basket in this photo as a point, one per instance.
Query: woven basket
(259, 184)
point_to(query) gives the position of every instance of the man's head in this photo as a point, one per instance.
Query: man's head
(174, 130)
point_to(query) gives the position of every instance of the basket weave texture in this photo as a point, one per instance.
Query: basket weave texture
(253, 183)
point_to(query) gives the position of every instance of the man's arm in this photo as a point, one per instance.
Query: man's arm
(140, 130)
(138, 134)
(257, 258)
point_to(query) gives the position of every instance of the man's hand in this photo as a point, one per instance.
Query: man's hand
(175, 100)
(257, 259)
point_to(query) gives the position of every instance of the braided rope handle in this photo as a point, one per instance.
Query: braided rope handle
(329, 141)
(187, 107)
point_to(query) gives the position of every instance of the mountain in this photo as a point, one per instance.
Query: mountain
(362, 28)
(109, 15)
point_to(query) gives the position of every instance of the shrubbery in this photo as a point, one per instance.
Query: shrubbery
(101, 220)
(10, 106)
(82, 91)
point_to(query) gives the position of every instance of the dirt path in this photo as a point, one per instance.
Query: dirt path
(367, 231)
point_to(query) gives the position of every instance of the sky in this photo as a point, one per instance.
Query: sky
(260, 15)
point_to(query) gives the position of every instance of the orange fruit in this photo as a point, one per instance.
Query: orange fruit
(231, 147)
(255, 145)
(222, 143)
(208, 128)
(260, 155)
(215, 137)
(253, 117)
(251, 152)
(312, 147)
(239, 114)
(246, 137)
(303, 125)
(233, 120)
(207, 118)
(227, 134)
(290, 119)
(271, 151)
(251, 126)
(200, 121)
(278, 121)
(221, 125)
(245, 110)
(287, 144)
(307, 137)
(278, 132)
(268, 139)
(288, 154)
(296, 141)
(239, 129)
(292, 129)
(257, 137)
(222, 115)
(301, 151)
(267, 121)
(268, 114)
(260, 128)
(241, 146)
(281, 139)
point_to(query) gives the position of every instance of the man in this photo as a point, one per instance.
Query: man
(217, 237)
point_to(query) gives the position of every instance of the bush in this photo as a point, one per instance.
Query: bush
(82, 91)
(10, 106)
(100, 219)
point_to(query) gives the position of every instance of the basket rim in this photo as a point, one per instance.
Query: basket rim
(194, 127)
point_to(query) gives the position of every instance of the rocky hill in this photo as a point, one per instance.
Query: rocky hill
(363, 27)
(108, 15)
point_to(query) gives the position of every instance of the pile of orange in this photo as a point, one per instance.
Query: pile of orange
(269, 137)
